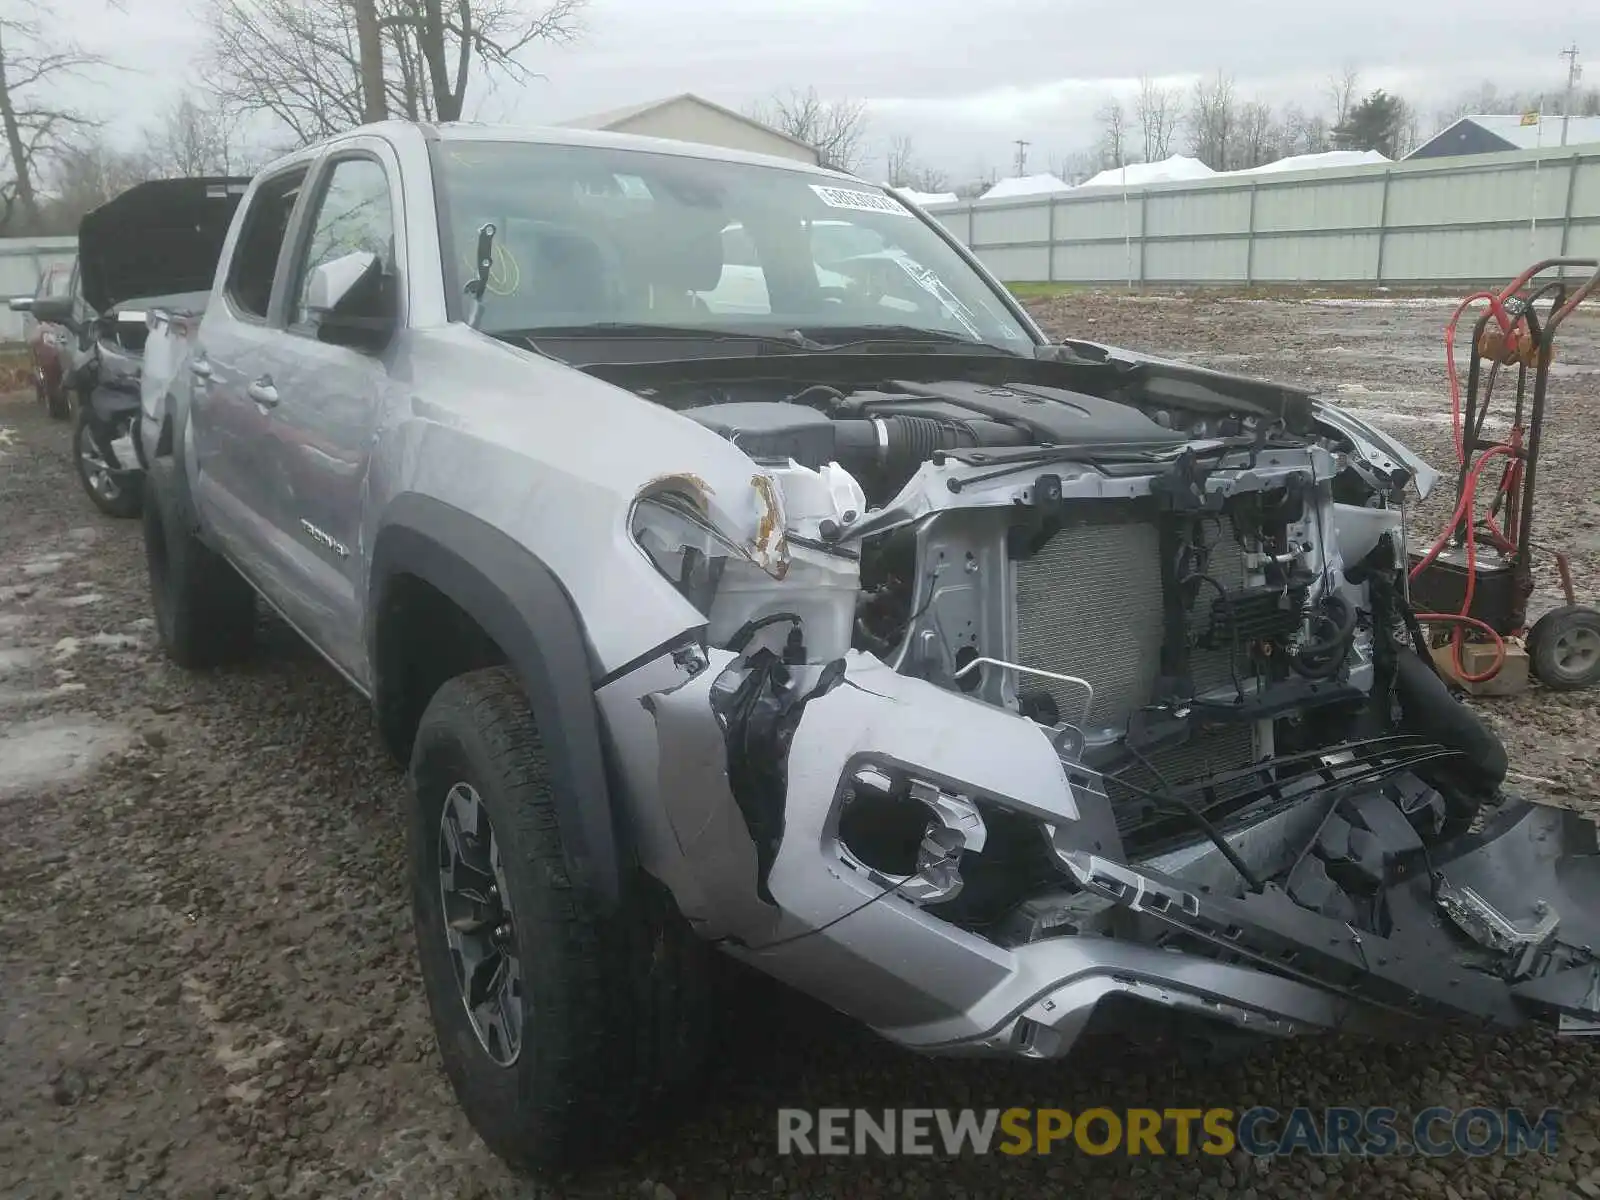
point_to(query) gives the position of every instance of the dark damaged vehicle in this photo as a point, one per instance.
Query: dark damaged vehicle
(155, 244)
(992, 691)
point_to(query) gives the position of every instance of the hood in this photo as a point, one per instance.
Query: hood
(156, 238)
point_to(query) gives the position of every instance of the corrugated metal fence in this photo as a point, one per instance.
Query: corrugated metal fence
(1451, 220)
(22, 261)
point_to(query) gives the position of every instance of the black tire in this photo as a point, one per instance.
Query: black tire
(205, 612)
(59, 402)
(1564, 648)
(114, 489)
(613, 1007)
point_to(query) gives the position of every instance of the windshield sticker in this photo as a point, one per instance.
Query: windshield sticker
(835, 197)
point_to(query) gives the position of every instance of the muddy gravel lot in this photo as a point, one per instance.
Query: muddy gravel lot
(206, 975)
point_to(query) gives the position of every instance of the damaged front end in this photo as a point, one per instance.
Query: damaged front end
(968, 750)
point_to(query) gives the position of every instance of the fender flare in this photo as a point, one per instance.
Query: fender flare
(521, 605)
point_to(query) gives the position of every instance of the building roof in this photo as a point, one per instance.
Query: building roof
(1168, 170)
(1508, 127)
(1025, 185)
(614, 117)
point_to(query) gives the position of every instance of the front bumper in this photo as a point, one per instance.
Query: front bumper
(1492, 928)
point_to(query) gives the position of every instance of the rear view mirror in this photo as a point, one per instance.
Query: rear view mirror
(52, 310)
(351, 301)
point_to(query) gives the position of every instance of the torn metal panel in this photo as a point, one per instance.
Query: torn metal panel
(710, 834)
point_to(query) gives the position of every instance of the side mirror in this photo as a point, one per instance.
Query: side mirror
(352, 302)
(21, 303)
(52, 310)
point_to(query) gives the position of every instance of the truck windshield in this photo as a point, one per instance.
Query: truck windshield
(606, 240)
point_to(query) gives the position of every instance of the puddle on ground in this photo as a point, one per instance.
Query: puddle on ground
(66, 647)
(27, 697)
(16, 658)
(55, 750)
(47, 564)
(115, 641)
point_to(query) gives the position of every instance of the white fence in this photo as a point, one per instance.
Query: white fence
(1443, 220)
(22, 261)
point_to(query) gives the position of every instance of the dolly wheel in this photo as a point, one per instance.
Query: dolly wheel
(1565, 647)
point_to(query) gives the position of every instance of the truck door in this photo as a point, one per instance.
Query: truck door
(327, 400)
(231, 469)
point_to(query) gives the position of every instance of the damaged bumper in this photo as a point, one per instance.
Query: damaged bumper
(942, 871)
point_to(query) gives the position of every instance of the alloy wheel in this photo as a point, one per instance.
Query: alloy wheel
(478, 924)
(96, 470)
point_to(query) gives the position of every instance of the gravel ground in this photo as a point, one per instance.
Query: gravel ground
(206, 976)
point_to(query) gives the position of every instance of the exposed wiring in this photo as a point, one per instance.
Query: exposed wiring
(1233, 630)
(850, 912)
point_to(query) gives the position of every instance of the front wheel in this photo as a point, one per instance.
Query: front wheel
(115, 487)
(556, 1021)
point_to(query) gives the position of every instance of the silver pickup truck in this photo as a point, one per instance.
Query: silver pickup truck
(730, 583)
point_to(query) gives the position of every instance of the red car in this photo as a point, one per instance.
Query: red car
(52, 347)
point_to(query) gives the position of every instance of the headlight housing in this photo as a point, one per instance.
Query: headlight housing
(683, 545)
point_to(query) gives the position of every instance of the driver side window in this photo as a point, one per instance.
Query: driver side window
(353, 214)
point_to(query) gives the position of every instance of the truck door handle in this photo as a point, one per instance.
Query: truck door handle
(200, 368)
(263, 393)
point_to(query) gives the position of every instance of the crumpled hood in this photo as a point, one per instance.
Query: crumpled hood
(157, 238)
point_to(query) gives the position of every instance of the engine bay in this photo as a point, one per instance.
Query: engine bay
(1176, 583)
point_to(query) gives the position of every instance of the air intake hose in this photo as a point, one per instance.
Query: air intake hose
(903, 442)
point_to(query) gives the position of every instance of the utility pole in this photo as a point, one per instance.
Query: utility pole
(1574, 73)
(1022, 156)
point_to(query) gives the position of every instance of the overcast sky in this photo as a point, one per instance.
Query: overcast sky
(962, 78)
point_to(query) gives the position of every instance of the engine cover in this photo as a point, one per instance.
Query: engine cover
(1053, 415)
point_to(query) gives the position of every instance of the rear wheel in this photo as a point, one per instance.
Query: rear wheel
(557, 1022)
(205, 612)
(57, 401)
(115, 489)
(1564, 646)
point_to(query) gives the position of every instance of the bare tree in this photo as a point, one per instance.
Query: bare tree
(35, 128)
(1157, 110)
(303, 61)
(924, 178)
(89, 172)
(1075, 167)
(192, 138)
(1260, 136)
(1113, 120)
(1304, 133)
(1213, 119)
(900, 160)
(369, 60)
(450, 35)
(834, 128)
(1344, 90)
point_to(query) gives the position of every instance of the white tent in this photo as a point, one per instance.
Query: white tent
(1025, 185)
(1317, 162)
(926, 198)
(1168, 170)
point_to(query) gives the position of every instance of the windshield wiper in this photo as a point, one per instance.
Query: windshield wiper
(793, 340)
(899, 337)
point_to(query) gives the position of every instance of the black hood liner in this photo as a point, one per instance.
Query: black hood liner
(156, 238)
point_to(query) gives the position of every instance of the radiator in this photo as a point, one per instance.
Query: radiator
(1089, 604)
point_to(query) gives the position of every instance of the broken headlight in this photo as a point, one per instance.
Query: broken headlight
(684, 546)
